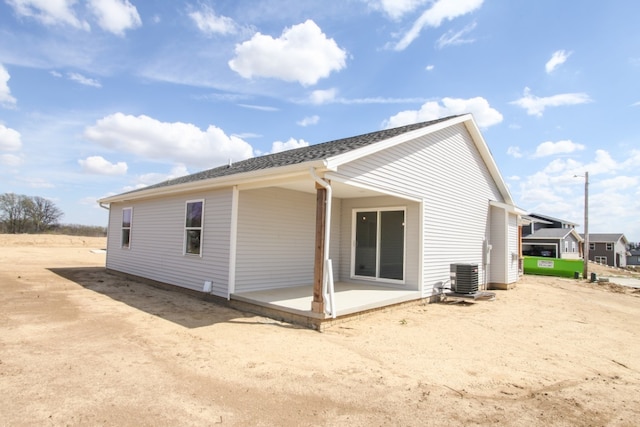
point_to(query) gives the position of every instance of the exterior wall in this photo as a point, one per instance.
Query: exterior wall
(157, 241)
(446, 171)
(276, 239)
(615, 257)
(412, 242)
(513, 252)
(498, 226)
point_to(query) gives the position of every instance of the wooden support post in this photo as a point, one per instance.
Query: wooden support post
(317, 305)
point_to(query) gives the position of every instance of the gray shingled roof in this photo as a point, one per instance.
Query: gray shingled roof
(604, 237)
(298, 155)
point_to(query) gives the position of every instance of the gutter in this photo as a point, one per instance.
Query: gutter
(103, 206)
(327, 279)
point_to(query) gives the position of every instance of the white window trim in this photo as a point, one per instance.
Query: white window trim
(566, 246)
(122, 227)
(609, 247)
(352, 266)
(186, 229)
(599, 259)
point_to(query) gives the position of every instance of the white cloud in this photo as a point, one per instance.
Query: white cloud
(100, 166)
(558, 190)
(209, 23)
(323, 96)
(440, 11)
(115, 16)
(259, 107)
(550, 148)
(558, 58)
(10, 160)
(86, 81)
(429, 67)
(176, 142)
(292, 143)
(514, 152)
(153, 178)
(535, 105)
(311, 120)
(396, 8)
(483, 113)
(49, 12)
(303, 53)
(10, 139)
(6, 100)
(451, 38)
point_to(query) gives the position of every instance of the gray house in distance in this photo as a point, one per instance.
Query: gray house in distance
(608, 248)
(543, 235)
(328, 230)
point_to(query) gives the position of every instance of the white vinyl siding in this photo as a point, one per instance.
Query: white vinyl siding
(513, 254)
(276, 239)
(498, 231)
(446, 171)
(158, 253)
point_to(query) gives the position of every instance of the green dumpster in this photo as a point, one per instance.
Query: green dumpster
(544, 266)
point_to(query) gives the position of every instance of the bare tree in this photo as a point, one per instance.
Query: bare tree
(22, 214)
(42, 213)
(13, 212)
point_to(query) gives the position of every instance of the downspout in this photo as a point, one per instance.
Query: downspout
(327, 285)
(103, 206)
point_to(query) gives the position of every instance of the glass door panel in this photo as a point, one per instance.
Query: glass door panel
(366, 243)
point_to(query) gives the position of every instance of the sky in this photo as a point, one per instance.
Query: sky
(99, 97)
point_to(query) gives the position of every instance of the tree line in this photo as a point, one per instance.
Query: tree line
(27, 214)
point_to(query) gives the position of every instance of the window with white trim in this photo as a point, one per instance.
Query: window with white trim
(601, 259)
(194, 213)
(379, 244)
(573, 246)
(592, 246)
(127, 217)
(566, 246)
(609, 246)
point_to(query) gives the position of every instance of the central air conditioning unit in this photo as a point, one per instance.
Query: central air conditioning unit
(464, 278)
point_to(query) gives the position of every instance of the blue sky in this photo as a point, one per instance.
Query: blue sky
(98, 97)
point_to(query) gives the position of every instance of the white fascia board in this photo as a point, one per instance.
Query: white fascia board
(335, 162)
(220, 182)
(486, 155)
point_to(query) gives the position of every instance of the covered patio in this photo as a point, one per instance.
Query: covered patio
(349, 299)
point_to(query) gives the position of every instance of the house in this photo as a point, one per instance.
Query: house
(608, 248)
(634, 257)
(327, 230)
(543, 235)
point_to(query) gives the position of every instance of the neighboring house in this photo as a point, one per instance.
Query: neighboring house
(383, 215)
(547, 236)
(634, 257)
(608, 248)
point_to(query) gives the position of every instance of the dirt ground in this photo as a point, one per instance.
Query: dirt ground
(79, 346)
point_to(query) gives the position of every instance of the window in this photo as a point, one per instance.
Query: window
(379, 238)
(566, 246)
(193, 227)
(573, 246)
(592, 246)
(601, 259)
(609, 246)
(127, 214)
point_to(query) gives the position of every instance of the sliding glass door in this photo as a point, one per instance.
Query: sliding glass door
(379, 244)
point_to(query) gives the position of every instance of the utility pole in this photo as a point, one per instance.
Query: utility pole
(585, 274)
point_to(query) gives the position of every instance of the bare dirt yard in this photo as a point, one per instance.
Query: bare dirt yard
(79, 346)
